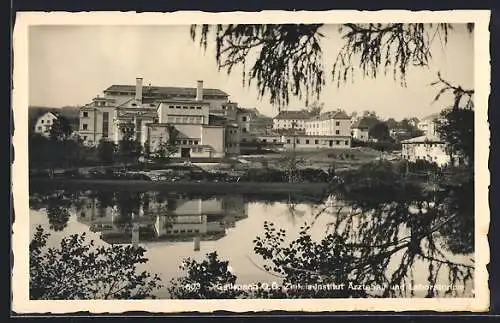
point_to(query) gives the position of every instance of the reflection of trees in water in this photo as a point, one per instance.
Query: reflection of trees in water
(387, 223)
(56, 204)
(58, 216)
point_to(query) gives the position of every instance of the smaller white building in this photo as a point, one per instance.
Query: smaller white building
(428, 147)
(44, 123)
(291, 120)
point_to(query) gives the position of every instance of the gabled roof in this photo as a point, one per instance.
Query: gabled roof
(339, 114)
(430, 138)
(165, 91)
(291, 115)
(431, 117)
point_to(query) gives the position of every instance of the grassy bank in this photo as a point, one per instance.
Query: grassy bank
(143, 185)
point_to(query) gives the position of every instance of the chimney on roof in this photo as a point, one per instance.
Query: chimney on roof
(138, 90)
(199, 91)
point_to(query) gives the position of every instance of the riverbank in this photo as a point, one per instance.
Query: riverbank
(192, 187)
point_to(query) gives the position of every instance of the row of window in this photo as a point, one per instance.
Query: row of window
(186, 142)
(421, 157)
(197, 150)
(43, 121)
(184, 231)
(316, 142)
(337, 132)
(40, 128)
(184, 107)
(197, 119)
(316, 125)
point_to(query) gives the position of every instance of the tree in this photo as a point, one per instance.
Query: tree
(379, 131)
(289, 57)
(169, 147)
(370, 114)
(391, 123)
(128, 146)
(207, 279)
(106, 151)
(77, 269)
(315, 108)
(456, 128)
(60, 129)
(58, 216)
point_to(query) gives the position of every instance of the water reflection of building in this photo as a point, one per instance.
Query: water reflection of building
(175, 219)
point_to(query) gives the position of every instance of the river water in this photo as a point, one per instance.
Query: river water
(172, 227)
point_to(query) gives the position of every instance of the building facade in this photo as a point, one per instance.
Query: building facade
(429, 148)
(44, 123)
(151, 110)
(288, 120)
(331, 123)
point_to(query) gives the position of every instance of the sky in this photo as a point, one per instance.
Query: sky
(71, 64)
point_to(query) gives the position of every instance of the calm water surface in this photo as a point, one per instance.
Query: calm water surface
(172, 227)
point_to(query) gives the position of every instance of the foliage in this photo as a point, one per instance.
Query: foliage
(289, 57)
(128, 146)
(456, 128)
(58, 216)
(106, 151)
(377, 224)
(208, 279)
(393, 47)
(168, 148)
(60, 129)
(386, 145)
(52, 153)
(314, 109)
(78, 269)
(379, 131)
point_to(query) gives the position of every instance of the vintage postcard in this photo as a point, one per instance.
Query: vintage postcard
(297, 161)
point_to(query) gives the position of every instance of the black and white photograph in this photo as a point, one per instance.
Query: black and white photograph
(329, 161)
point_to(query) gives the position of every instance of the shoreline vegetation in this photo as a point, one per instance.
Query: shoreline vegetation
(203, 187)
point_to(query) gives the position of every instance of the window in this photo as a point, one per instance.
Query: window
(84, 126)
(307, 141)
(316, 141)
(337, 123)
(184, 142)
(105, 124)
(40, 128)
(274, 140)
(190, 142)
(85, 115)
(184, 107)
(288, 141)
(177, 106)
(264, 140)
(347, 142)
(43, 121)
(192, 108)
(244, 119)
(84, 138)
(337, 132)
(298, 141)
(170, 106)
(243, 129)
(196, 142)
(198, 108)
(337, 142)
